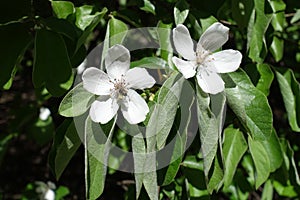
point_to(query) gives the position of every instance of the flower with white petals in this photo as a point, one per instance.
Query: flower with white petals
(115, 89)
(202, 62)
(49, 194)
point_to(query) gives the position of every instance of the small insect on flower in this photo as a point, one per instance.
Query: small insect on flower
(202, 62)
(116, 88)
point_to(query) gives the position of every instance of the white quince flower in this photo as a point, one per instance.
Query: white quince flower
(115, 89)
(49, 194)
(44, 113)
(202, 62)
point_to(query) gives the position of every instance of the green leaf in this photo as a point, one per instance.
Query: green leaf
(290, 90)
(65, 144)
(182, 126)
(248, 165)
(207, 22)
(210, 118)
(234, 147)
(62, 9)
(144, 167)
(291, 166)
(150, 179)
(76, 102)
(261, 161)
(148, 7)
(274, 153)
(193, 171)
(266, 78)
(61, 192)
(215, 178)
(285, 190)
(97, 147)
(209, 130)
(249, 104)
(14, 39)
(164, 111)
(115, 34)
(277, 48)
(197, 30)
(181, 11)
(296, 17)
(259, 22)
(139, 157)
(166, 50)
(150, 63)
(278, 23)
(268, 191)
(87, 22)
(117, 31)
(84, 16)
(51, 66)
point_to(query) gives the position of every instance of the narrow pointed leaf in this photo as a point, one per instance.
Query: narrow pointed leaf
(234, 147)
(66, 142)
(290, 90)
(97, 147)
(261, 161)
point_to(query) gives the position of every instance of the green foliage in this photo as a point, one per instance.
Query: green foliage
(249, 149)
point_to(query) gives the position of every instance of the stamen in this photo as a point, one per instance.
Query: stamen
(120, 88)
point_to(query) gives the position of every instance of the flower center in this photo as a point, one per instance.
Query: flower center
(120, 90)
(201, 55)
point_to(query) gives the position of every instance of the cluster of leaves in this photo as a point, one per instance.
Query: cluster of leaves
(252, 155)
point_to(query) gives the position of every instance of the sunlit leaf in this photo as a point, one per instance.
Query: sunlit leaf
(249, 104)
(261, 161)
(268, 191)
(275, 154)
(76, 102)
(296, 17)
(234, 147)
(62, 9)
(117, 31)
(181, 11)
(266, 78)
(89, 25)
(150, 63)
(148, 7)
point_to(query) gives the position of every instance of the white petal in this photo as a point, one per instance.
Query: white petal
(135, 109)
(96, 81)
(210, 82)
(117, 61)
(44, 113)
(139, 78)
(183, 42)
(187, 68)
(49, 195)
(214, 37)
(226, 61)
(103, 111)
